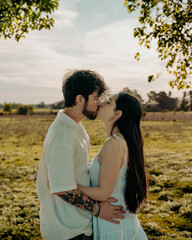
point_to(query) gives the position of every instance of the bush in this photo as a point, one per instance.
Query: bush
(25, 109)
(7, 107)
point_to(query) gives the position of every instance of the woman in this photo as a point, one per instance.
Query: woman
(118, 169)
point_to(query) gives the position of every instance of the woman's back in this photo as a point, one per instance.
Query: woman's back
(119, 187)
(129, 227)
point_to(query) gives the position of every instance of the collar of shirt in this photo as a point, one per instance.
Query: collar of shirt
(70, 122)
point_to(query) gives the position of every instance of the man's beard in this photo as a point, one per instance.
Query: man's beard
(89, 114)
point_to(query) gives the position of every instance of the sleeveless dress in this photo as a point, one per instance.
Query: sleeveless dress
(129, 227)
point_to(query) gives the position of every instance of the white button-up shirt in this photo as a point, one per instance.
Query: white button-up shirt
(63, 165)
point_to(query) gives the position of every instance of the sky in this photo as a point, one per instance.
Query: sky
(87, 34)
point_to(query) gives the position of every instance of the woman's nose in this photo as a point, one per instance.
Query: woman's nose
(99, 102)
(102, 104)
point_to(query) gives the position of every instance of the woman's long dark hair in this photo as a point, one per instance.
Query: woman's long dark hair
(129, 126)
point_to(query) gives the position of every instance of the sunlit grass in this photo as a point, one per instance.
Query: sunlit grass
(167, 213)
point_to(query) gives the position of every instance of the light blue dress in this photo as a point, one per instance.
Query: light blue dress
(129, 228)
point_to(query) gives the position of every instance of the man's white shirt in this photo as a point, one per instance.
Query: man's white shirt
(63, 165)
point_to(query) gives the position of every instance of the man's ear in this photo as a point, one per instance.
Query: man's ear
(118, 114)
(79, 99)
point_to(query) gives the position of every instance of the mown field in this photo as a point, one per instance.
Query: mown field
(167, 213)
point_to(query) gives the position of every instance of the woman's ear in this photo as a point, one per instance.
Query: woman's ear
(118, 114)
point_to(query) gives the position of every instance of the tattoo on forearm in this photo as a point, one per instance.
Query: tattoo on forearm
(80, 200)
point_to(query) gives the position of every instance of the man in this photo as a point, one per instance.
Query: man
(65, 212)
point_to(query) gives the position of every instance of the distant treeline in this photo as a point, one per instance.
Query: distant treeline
(20, 108)
(157, 102)
(162, 101)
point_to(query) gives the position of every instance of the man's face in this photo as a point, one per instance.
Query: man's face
(91, 107)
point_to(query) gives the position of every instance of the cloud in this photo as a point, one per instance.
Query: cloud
(65, 18)
(84, 36)
(29, 94)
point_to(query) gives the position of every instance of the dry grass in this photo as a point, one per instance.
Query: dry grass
(168, 116)
(167, 213)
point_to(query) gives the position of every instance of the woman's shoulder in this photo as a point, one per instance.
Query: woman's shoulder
(111, 143)
(111, 151)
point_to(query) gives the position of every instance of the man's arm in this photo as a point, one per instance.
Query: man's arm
(79, 199)
(107, 211)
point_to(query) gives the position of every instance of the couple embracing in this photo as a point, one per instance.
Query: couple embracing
(98, 202)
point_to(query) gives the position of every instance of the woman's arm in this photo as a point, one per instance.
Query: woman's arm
(110, 165)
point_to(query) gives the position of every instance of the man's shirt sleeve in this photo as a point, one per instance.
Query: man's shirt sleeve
(61, 169)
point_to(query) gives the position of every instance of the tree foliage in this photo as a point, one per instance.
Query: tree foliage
(17, 17)
(25, 109)
(186, 101)
(169, 22)
(41, 105)
(133, 93)
(58, 105)
(7, 107)
(160, 102)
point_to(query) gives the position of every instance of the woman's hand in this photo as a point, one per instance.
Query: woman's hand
(79, 186)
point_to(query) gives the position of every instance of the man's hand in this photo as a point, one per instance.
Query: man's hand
(109, 211)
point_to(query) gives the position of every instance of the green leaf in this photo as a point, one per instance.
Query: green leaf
(168, 21)
(151, 78)
(18, 17)
(137, 56)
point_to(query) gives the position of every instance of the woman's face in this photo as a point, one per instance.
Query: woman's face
(107, 110)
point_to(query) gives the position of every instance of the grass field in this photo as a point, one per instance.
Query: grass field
(36, 111)
(167, 213)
